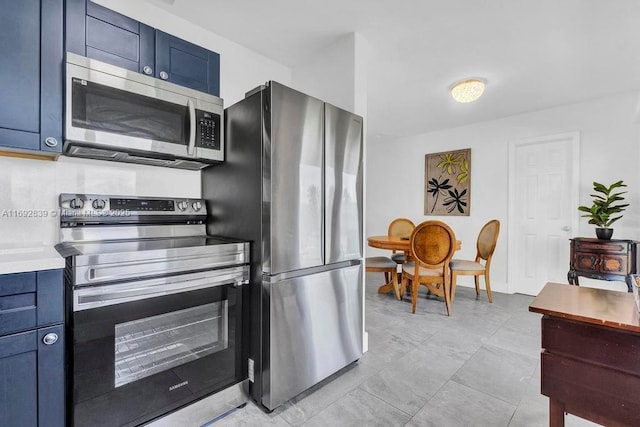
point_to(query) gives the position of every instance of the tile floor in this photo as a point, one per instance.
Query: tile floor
(479, 367)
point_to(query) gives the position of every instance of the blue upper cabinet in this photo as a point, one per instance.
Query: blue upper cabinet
(31, 75)
(100, 33)
(187, 64)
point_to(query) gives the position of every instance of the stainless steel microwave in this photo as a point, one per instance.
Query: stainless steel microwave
(119, 115)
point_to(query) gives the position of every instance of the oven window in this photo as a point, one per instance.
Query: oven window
(103, 108)
(154, 344)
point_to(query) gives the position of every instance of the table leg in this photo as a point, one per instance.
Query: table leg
(572, 277)
(392, 286)
(386, 288)
(556, 413)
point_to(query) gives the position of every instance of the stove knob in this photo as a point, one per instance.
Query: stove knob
(197, 206)
(76, 203)
(98, 204)
(182, 205)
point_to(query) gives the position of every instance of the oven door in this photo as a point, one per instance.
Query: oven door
(141, 349)
(109, 108)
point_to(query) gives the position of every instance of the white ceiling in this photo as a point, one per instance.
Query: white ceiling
(534, 54)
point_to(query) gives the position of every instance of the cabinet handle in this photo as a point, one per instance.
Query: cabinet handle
(147, 70)
(50, 141)
(164, 75)
(50, 338)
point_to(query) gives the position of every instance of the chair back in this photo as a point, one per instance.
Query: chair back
(433, 244)
(401, 227)
(487, 239)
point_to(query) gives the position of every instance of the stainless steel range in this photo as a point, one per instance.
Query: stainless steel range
(155, 311)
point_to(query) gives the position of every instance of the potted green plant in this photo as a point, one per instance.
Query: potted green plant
(605, 205)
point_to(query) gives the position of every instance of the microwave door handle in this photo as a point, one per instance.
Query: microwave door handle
(192, 128)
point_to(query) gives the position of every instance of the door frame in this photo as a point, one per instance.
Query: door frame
(574, 138)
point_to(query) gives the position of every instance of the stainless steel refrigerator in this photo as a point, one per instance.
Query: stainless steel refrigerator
(291, 184)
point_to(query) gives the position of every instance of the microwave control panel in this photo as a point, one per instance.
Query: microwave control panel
(207, 130)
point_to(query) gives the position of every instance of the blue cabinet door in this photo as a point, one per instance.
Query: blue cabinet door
(51, 374)
(18, 376)
(100, 33)
(31, 75)
(32, 378)
(187, 64)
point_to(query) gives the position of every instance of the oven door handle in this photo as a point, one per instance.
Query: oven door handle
(86, 298)
(192, 128)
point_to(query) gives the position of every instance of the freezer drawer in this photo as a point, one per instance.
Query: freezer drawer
(315, 330)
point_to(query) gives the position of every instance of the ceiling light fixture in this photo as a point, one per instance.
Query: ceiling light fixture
(467, 90)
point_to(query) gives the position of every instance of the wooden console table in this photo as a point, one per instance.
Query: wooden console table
(603, 259)
(591, 350)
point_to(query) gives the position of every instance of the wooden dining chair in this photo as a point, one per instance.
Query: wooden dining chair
(481, 266)
(400, 227)
(383, 264)
(432, 246)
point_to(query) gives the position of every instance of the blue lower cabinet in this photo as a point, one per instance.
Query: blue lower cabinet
(30, 300)
(51, 374)
(19, 379)
(50, 297)
(32, 378)
(32, 364)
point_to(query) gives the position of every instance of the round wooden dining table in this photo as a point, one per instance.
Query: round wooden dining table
(394, 243)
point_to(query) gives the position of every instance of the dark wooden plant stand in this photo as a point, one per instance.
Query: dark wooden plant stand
(603, 259)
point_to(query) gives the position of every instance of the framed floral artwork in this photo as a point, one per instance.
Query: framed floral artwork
(447, 183)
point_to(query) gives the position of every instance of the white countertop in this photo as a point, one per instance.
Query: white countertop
(17, 258)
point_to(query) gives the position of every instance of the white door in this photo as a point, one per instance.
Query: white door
(543, 200)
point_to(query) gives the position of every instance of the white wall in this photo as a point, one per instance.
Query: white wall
(241, 69)
(337, 74)
(609, 151)
(34, 185)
